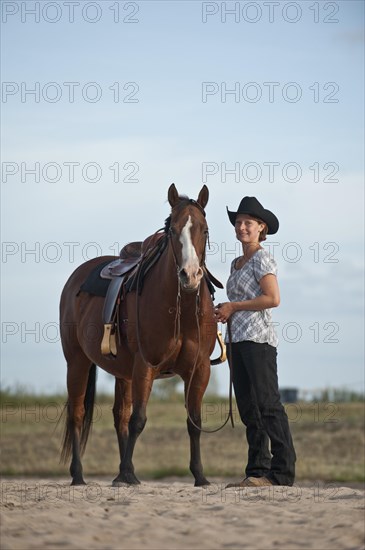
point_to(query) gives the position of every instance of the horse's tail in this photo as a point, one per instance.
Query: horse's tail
(87, 420)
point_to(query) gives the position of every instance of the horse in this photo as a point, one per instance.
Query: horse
(167, 326)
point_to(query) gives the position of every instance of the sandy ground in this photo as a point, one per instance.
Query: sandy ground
(173, 514)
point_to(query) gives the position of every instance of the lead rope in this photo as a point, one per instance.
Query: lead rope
(230, 364)
(230, 412)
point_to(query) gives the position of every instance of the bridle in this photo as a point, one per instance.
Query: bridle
(177, 324)
(170, 234)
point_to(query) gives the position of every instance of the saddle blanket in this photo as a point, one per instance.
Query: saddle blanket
(94, 284)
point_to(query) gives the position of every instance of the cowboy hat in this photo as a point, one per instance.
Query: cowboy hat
(251, 206)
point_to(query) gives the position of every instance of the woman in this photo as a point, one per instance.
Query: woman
(252, 289)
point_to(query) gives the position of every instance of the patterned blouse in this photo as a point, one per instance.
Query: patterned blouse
(243, 284)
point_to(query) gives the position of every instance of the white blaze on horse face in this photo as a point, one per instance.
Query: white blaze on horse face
(190, 260)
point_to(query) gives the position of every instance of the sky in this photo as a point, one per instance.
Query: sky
(105, 104)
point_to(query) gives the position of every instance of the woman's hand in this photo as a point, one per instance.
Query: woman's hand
(222, 312)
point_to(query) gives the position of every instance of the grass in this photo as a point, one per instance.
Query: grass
(328, 437)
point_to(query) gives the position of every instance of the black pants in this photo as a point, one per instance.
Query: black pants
(256, 389)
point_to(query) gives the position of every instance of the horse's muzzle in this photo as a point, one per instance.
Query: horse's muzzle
(190, 282)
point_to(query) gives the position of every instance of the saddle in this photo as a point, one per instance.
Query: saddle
(135, 260)
(129, 257)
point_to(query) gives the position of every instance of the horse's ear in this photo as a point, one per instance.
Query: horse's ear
(203, 196)
(173, 195)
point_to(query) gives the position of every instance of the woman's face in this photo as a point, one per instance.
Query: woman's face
(247, 229)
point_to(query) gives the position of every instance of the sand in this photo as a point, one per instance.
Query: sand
(173, 514)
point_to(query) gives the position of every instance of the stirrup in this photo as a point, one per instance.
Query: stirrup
(222, 345)
(109, 343)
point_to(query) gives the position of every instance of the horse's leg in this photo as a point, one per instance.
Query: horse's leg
(193, 399)
(81, 378)
(122, 412)
(142, 381)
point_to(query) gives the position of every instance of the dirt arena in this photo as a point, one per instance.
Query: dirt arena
(173, 514)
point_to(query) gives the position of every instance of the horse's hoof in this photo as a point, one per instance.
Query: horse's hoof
(78, 482)
(126, 477)
(201, 482)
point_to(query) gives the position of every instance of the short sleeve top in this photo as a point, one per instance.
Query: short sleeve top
(243, 284)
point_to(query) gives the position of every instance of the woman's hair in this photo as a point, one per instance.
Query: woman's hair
(263, 233)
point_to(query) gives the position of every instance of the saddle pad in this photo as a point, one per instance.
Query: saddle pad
(94, 284)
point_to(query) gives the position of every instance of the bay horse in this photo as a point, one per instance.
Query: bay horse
(169, 326)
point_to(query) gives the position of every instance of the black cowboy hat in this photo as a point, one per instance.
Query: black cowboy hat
(250, 205)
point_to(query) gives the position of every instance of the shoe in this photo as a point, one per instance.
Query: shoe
(252, 482)
(257, 482)
(240, 484)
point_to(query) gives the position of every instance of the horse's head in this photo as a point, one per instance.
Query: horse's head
(188, 232)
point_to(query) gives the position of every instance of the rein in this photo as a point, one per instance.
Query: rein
(230, 411)
(176, 322)
(177, 331)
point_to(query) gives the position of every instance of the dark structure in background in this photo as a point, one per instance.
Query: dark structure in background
(289, 395)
